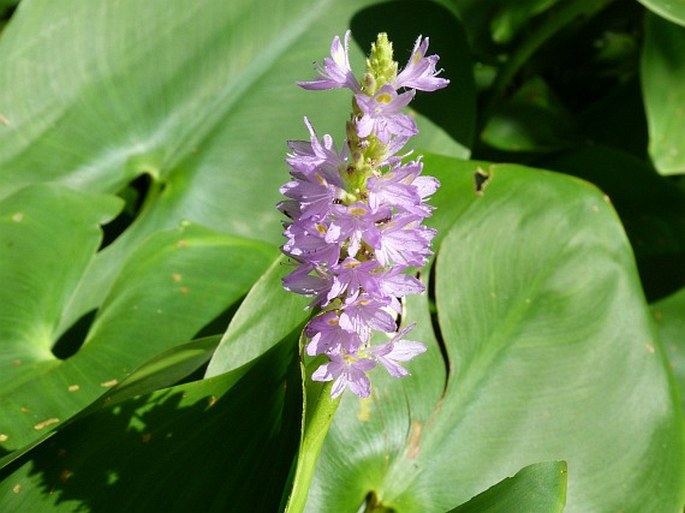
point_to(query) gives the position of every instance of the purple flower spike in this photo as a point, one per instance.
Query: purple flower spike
(420, 73)
(335, 71)
(355, 226)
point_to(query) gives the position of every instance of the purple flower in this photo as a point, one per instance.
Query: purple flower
(352, 276)
(335, 72)
(404, 241)
(303, 282)
(382, 114)
(356, 223)
(314, 197)
(397, 350)
(394, 284)
(420, 73)
(402, 188)
(307, 243)
(327, 336)
(348, 371)
(311, 156)
(366, 313)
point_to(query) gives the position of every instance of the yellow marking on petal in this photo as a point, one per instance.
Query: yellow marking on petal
(321, 228)
(384, 98)
(332, 322)
(357, 211)
(351, 265)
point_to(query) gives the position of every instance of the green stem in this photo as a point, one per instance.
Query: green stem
(318, 412)
(556, 20)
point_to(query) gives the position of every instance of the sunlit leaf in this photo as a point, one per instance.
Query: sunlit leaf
(662, 74)
(539, 306)
(540, 487)
(670, 318)
(672, 10)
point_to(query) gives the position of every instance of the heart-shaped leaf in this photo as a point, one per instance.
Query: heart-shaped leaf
(169, 288)
(539, 306)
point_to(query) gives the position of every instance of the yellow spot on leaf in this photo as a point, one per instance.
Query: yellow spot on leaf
(16, 362)
(182, 243)
(212, 401)
(45, 423)
(65, 474)
(24, 409)
(184, 290)
(3, 437)
(364, 413)
(18, 217)
(176, 277)
(649, 347)
(4, 120)
(415, 439)
(73, 388)
(16, 488)
(109, 383)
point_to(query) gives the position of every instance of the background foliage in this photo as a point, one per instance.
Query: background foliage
(148, 355)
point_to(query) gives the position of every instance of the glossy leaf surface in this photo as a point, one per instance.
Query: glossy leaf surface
(531, 331)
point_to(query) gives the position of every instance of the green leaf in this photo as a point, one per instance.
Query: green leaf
(670, 319)
(168, 289)
(266, 316)
(511, 16)
(652, 211)
(540, 487)
(533, 120)
(224, 446)
(672, 10)
(662, 74)
(539, 307)
(205, 112)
